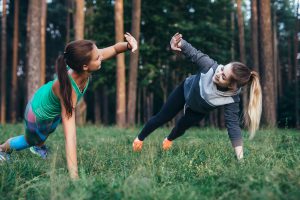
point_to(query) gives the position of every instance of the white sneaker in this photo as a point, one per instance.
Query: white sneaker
(4, 156)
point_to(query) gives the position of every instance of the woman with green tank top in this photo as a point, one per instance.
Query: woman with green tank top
(56, 101)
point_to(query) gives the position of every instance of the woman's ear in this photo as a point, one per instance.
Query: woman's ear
(85, 67)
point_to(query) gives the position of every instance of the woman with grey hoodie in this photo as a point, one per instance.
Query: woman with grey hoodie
(214, 85)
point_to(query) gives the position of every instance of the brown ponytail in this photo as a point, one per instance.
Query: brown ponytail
(76, 55)
(65, 84)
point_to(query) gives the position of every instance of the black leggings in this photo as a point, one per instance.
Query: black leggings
(174, 104)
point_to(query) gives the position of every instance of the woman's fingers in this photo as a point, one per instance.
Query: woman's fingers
(131, 40)
(176, 39)
(176, 34)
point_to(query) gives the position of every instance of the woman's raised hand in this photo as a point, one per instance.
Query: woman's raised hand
(176, 42)
(132, 43)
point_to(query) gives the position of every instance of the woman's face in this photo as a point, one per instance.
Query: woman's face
(96, 59)
(223, 75)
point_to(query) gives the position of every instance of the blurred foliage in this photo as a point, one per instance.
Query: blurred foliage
(204, 23)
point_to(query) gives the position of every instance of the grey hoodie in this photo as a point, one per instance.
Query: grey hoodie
(201, 93)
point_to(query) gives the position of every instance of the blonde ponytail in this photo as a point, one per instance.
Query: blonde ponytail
(253, 114)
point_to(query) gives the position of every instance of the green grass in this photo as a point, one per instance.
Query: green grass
(201, 165)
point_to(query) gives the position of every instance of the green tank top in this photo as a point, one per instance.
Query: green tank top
(46, 105)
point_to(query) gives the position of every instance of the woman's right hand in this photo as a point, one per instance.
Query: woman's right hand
(176, 42)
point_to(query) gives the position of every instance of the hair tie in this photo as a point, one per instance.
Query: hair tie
(65, 54)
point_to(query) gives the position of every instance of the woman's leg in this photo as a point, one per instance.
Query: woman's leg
(15, 143)
(173, 105)
(190, 118)
(19, 142)
(41, 133)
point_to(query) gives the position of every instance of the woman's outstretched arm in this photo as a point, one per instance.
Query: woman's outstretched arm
(203, 61)
(120, 47)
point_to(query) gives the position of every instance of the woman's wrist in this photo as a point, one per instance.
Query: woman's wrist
(239, 152)
(129, 46)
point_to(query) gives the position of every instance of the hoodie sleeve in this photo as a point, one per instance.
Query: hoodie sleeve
(203, 61)
(231, 115)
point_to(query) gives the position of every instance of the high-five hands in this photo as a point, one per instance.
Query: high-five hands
(176, 42)
(132, 43)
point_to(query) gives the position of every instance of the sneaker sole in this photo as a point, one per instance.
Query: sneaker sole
(4, 157)
(34, 152)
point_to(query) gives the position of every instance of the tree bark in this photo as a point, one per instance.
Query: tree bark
(144, 105)
(14, 82)
(34, 60)
(240, 19)
(79, 35)
(97, 107)
(266, 61)
(254, 36)
(290, 67)
(149, 104)
(221, 117)
(121, 90)
(139, 106)
(232, 30)
(134, 58)
(3, 63)
(68, 21)
(105, 105)
(275, 59)
(43, 40)
(79, 20)
(297, 71)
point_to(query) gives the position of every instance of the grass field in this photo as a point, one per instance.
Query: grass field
(201, 165)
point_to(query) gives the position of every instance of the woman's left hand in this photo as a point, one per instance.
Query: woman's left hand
(131, 41)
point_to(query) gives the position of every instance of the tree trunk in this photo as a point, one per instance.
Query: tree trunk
(297, 71)
(3, 63)
(279, 77)
(275, 59)
(266, 61)
(139, 106)
(14, 82)
(232, 30)
(240, 19)
(105, 105)
(97, 107)
(211, 119)
(149, 104)
(242, 49)
(28, 22)
(34, 60)
(144, 105)
(221, 117)
(290, 67)
(254, 36)
(43, 40)
(79, 35)
(79, 20)
(134, 58)
(164, 87)
(80, 113)
(68, 21)
(121, 90)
